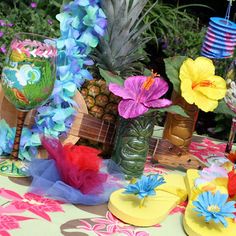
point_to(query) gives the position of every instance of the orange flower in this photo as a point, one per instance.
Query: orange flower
(232, 157)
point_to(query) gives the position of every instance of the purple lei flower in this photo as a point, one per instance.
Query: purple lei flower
(2, 23)
(3, 49)
(139, 94)
(10, 24)
(86, 2)
(50, 22)
(33, 4)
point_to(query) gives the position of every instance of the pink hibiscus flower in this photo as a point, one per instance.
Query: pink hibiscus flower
(140, 93)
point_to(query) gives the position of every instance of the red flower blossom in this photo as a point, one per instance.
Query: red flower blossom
(232, 157)
(232, 183)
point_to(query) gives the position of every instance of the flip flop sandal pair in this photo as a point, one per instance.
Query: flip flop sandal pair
(177, 188)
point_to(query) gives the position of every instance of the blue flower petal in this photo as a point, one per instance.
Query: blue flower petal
(145, 186)
(214, 207)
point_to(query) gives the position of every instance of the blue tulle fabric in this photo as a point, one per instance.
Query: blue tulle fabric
(46, 181)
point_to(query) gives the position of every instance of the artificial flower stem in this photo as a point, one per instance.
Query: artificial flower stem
(20, 123)
(142, 202)
(133, 180)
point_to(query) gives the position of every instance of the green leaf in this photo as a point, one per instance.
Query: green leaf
(223, 109)
(172, 66)
(110, 77)
(147, 72)
(175, 109)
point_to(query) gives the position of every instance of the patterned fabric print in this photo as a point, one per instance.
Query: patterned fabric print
(110, 225)
(180, 208)
(37, 205)
(206, 149)
(10, 222)
(152, 168)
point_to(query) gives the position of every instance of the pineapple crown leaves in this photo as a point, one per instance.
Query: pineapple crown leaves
(121, 51)
(111, 78)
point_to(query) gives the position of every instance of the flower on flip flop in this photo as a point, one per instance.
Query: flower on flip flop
(209, 174)
(145, 186)
(200, 85)
(215, 207)
(140, 93)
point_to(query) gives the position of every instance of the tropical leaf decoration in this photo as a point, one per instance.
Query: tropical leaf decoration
(172, 65)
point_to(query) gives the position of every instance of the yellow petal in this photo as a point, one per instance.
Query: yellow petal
(204, 103)
(205, 68)
(215, 91)
(221, 181)
(188, 70)
(187, 91)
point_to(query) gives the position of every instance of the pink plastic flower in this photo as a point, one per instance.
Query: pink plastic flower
(139, 94)
(33, 4)
(210, 173)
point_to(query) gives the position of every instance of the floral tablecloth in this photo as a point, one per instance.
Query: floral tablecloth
(26, 214)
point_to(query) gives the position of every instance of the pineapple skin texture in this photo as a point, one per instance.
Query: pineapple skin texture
(101, 103)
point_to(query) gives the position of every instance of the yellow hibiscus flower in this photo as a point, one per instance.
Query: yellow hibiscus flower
(199, 84)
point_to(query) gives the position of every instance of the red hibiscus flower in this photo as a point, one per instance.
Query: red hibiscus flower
(232, 157)
(232, 183)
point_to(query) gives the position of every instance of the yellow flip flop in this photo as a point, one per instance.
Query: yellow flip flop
(195, 225)
(126, 207)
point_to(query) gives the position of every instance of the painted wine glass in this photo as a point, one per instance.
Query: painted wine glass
(28, 78)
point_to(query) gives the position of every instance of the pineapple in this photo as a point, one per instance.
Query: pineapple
(101, 103)
(120, 52)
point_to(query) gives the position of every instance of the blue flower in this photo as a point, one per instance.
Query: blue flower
(145, 186)
(214, 207)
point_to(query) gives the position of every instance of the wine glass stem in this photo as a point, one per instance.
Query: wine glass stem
(20, 123)
(231, 136)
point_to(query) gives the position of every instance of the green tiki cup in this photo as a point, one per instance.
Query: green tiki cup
(132, 144)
